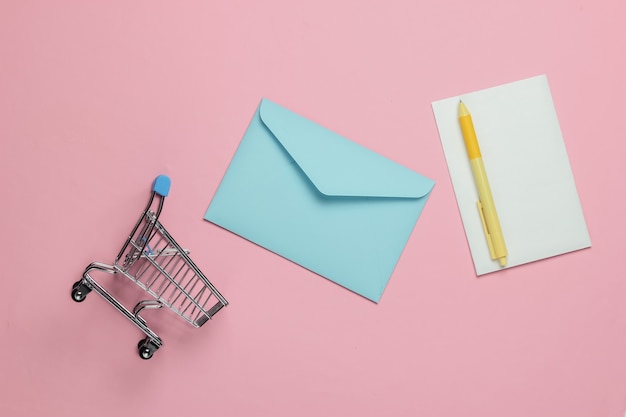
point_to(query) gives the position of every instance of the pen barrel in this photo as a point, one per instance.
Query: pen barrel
(469, 137)
(489, 208)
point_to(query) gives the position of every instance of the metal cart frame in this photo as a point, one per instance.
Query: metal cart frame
(153, 260)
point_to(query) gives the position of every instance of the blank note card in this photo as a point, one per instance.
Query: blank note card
(528, 169)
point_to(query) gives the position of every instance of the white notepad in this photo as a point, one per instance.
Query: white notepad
(528, 169)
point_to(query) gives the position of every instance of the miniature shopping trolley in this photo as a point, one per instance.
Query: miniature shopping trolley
(153, 260)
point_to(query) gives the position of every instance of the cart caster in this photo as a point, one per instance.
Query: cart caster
(146, 348)
(80, 291)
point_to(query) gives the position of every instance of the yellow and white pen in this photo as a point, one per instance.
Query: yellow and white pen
(486, 206)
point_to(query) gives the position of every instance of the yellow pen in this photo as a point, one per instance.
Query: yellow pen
(486, 206)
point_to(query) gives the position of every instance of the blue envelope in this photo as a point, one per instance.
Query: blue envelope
(319, 200)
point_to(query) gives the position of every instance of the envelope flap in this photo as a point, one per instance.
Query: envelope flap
(337, 166)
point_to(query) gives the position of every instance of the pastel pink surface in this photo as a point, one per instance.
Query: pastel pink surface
(97, 98)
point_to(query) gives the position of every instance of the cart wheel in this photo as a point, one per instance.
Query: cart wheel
(146, 348)
(80, 291)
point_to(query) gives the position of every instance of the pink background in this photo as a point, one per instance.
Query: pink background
(96, 98)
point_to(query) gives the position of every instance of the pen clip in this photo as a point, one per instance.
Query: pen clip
(492, 251)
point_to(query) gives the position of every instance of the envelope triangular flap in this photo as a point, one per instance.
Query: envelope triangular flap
(337, 166)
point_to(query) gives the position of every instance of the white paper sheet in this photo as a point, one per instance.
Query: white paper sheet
(528, 169)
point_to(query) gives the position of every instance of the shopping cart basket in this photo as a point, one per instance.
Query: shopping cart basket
(153, 260)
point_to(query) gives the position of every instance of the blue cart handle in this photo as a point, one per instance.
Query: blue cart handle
(161, 185)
